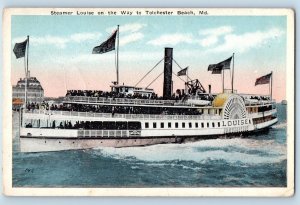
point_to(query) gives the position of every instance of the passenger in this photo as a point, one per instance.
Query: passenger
(70, 125)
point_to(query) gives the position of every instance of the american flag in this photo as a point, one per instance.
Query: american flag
(20, 49)
(182, 72)
(107, 45)
(263, 79)
(217, 68)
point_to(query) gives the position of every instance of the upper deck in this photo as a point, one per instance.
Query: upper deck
(250, 100)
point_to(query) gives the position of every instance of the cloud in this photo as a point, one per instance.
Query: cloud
(172, 39)
(129, 33)
(80, 37)
(208, 37)
(212, 35)
(246, 41)
(131, 38)
(208, 41)
(59, 41)
(133, 27)
(216, 31)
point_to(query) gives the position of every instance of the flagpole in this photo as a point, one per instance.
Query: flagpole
(26, 71)
(118, 57)
(271, 83)
(187, 78)
(232, 73)
(25, 90)
(223, 80)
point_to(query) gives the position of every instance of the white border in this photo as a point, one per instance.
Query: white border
(7, 116)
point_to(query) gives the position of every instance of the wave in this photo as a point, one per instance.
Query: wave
(279, 125)
(235, 150)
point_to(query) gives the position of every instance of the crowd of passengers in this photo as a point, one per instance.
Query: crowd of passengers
(37, 106)
(179, 95)
(176, 96)
(93, 125)
(259, 98)
(111, 109)
(265, 108)
(100, 93)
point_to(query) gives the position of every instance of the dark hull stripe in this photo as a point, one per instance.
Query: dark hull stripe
(248, 133)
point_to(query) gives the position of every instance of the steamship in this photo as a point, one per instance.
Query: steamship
(117, 119)
(130, 116)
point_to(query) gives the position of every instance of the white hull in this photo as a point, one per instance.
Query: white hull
(48, 145)
(43, 140)
(138, 130)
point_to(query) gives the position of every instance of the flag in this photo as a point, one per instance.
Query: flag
(182, 72)
(107, 45)
(20, 49)
(216, 71)
(217, 68)
(263, 79)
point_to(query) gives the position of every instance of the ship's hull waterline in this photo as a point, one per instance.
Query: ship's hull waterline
(59, 143)
(50, 144)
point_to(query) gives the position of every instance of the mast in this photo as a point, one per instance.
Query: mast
(232, 77)
(118, 55)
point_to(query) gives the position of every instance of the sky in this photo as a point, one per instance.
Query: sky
(60, 50)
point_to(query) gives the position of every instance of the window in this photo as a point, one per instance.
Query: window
(134, 125)
(196, 124)
(147, 125)
(183, 125)
(219, 124)
(213, 124)
(202, 124)
(169, 125)
(121, 125)
(176, 124)
(162, 125)
(108, 125)
(154, 124)
(208, 125)
(190, 125)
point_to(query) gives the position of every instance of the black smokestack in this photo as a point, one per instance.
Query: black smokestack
(167, 92)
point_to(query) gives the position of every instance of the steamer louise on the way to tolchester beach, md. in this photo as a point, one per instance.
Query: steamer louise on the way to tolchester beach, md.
(130, 116)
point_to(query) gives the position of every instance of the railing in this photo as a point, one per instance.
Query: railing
(103, 100)
(126, 116)
(261, 114)
(253, 101)
(259, 102)
(121, 100)
(107, 133)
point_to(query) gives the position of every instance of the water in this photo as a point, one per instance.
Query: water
(255, 161)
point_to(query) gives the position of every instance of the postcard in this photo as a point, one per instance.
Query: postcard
(148, 102)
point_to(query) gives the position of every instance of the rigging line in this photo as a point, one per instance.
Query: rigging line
(178, 77)
(149, 71)
(177, 63)
(155, 79)
(179, 66)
